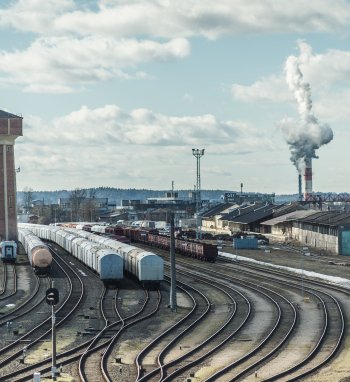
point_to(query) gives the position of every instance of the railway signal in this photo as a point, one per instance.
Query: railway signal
(52, 298)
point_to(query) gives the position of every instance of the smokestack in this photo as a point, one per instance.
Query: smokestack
(308, 179)
(300, 189)
(305, 135)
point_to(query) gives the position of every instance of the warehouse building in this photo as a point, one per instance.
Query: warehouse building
(329, 231)
(282, 225)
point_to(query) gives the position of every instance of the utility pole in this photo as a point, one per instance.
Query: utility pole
(198, 153)
(173, 303)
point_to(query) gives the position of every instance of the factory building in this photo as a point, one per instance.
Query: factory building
(249, 219)
(250, 197)
(10, 129)
(212, 218)
(329, 231)
(230, 218)
(282, 226)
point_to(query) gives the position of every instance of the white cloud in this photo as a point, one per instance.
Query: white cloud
(109, 124)
(57, 64)
(334, 107)
(326, 73)
(34, 15)
(82, 44)
(272, 88)
(106, 143)
(164, 18)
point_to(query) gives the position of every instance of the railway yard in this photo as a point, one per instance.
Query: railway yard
(235, 320)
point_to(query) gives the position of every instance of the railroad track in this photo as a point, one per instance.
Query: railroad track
(9, 284)
(34, 300)
(327, 322)
(3, 272)
(67, 307)
(156, 298)
(221, 343)
(333, 331)
(190, 320)
(330, 336)
(93, 363)
(269, 303)
(93, 346)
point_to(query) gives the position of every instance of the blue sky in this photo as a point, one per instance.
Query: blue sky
(117, 93)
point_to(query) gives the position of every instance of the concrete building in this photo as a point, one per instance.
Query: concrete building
(251, 197)
(282, 226)
(10, 129)
(329, 231)
(213, 219)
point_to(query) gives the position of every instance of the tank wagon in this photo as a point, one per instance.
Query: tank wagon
(38, 252)
(192, 248)
(105, 262)
(8, 251)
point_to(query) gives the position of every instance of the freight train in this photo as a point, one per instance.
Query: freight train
(114, 232)
(38, 252)
(192, 248)
(106, 263)
(146, 267)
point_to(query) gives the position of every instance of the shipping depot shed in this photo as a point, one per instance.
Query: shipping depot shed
(282, 226)
(329, 231)
(250, 221)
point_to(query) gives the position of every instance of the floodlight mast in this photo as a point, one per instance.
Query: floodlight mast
(198, 153)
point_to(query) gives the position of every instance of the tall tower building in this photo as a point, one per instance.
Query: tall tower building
(10, 129)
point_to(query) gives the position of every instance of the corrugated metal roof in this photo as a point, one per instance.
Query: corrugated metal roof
(5, 114)
(253, 216)
(287, 208)
(241, 211)
(333, 218)
(295, 215)
(217, 210)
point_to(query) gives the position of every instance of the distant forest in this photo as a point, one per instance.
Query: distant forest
(118, 194)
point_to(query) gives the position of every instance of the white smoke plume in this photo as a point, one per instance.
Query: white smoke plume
(307, 134)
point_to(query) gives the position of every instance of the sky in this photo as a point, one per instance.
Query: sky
(116, 93)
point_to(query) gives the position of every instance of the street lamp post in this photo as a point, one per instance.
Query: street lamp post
(198, 153)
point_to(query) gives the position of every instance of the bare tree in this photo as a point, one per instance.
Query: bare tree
(76, 198)
(28, 198)
(92, 193)
(89, 209)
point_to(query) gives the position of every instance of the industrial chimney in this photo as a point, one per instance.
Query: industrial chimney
(10, 129)
(308, 179)
(300, 188)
